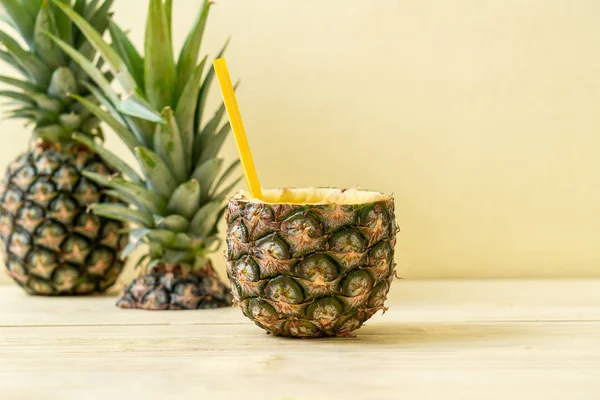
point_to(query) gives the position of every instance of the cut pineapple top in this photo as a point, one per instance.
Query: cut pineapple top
(315, 196)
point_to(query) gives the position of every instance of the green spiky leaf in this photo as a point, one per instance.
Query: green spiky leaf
(118, 66)
(79, 6)
(142, 129)
(52, 133)
(223, 193)
(213, 144)
(156, 172)
(10, 60)
(44, 46)
(191, 49)
(175, 223)
(122, 213)
(206, 88)
(128, 53)
(109, 157)
(169, 18)
(168, 145)
(89, 9)
(22, 97)
(159, 71)
(63, 83)
(63, 24)
(20, 18)
(206, 173)
(212, 125)
(101, 17)
(185, 199)
(136, 106)
(94, 73)
(32, 7)
(35, 68)
(47, 103)
(135, 240)
(162, 236)
(225, 176)
(185, 112)
(71, 121)
(6, 19)
(204, 219)
(121, 130)
(24, 85)
(141, 197)
(104, 101)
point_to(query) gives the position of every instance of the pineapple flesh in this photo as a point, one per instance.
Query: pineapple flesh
(177, 201)
(51, 244)
(311, 262)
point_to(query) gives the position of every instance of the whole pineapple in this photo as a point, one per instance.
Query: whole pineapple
(311, 262)
(52, 245)
(177, 202)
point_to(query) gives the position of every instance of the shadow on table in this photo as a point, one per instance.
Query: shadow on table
(432, 332)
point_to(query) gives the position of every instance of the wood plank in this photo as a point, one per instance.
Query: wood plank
(447, 339)
(475, 300)
(543, 360)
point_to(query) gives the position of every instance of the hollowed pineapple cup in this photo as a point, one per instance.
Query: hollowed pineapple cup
(311, 262)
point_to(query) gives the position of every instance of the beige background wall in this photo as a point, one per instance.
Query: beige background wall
(482, 117)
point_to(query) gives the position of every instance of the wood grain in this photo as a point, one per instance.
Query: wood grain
(448, 339)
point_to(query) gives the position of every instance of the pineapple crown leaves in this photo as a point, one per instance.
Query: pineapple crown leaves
(47, 73)
(177, 199)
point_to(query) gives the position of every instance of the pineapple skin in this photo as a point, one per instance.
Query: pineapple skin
(51, 244)
(310, 271)
(167, 287)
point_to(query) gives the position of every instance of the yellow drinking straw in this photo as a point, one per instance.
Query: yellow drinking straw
(235, 118)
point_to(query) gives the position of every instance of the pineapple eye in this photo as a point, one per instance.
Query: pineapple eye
(31, 217)
(24, 177)
(284, 290)
(247, 269)
(42, 192)
(379, 294)
(259, 211)
(158, 298)
(317, 266)
(348, 324)
(6, 226)
(15, 268)
(347, 240)
(262, 311)
(238, 231)
(380, 255)
(12, 197)
(100, 261)
(325, 309)
(86, 192)
(65, 277)
(39, 286)
(302, 223)
(47, 163)
(301, 328)
(371, 216)
(20, 243)
(41, 263)
(356, 283)
(274, 247)
(65, 177)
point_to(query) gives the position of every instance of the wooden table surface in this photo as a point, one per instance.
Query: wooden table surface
(439, 340)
